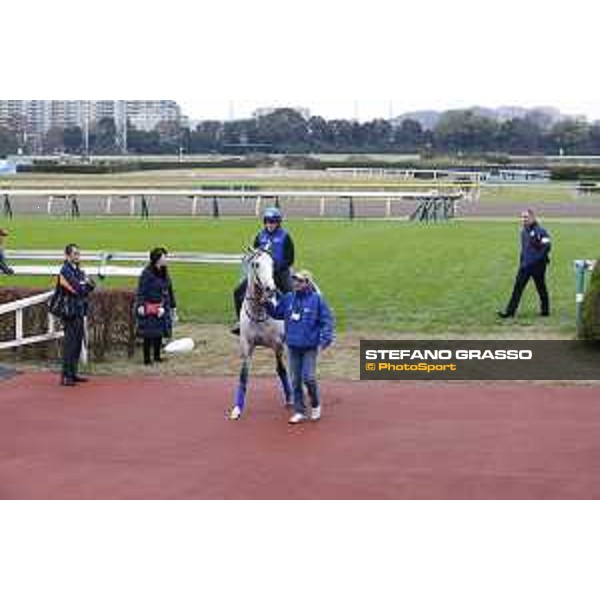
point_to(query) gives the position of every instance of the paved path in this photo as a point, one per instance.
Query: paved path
(167, 438)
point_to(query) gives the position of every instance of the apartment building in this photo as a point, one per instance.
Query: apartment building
(37, 117)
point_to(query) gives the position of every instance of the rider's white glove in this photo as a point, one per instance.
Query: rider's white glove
(141, 311)
(161, 312)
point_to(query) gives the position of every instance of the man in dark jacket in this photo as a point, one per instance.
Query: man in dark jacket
(309, 328)
(76, 286)
(4, 268)
(535, 251)
(277, 240)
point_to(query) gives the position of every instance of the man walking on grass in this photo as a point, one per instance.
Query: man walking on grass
(535, 256)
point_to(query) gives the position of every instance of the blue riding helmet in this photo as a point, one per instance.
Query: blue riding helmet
(272, 214)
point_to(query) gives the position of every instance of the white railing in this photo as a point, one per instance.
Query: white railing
(18, 307)
(149, 197)
(118, 256)
(49, 270)
(104, 269)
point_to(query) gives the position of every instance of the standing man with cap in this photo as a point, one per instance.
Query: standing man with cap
(535, 256)
(276, 240)
(4, 268)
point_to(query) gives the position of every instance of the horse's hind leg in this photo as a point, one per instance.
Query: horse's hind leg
(283, 378)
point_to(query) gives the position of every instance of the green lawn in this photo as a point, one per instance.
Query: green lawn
(538, 193)
(378, 275)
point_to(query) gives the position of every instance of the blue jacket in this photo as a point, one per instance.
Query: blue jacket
(535, 245)
(279, 244)
(308, 320)
(77, 287)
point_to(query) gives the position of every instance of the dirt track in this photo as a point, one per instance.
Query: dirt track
(305, 208)
(167, 438)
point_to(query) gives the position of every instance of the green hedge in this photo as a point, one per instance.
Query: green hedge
(107, 167)
(591, 307)
(575, 173)
(111, 324)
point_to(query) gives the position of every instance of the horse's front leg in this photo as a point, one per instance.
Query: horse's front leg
(240, 394)
(283, 378)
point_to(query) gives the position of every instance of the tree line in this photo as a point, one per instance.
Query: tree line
(287, 131)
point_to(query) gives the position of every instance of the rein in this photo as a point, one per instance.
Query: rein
(259, 313)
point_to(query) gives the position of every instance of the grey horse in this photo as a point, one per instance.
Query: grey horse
(257, 328)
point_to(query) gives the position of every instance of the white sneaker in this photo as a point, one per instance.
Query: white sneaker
(315, 413)
(235, 414)
(297, 418)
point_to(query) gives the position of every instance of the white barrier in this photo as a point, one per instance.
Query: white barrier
(18, 306)
(228, 193)
(420, 193)
(101, 270)
(142, 257)
(93, 270)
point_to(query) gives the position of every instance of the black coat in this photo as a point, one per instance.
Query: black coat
(77, 288)
(155, 287)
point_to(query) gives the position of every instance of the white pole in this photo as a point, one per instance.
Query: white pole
(19, 324)
(84, 346)
(51, 324)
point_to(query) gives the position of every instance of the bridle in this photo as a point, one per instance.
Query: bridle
(259, 314)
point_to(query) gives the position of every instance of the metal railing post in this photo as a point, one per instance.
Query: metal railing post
(19, 325)
(580, 268)
(6, 207)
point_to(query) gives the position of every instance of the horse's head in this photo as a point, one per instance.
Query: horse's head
(260, 272)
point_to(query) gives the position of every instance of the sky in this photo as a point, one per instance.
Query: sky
(338, 59)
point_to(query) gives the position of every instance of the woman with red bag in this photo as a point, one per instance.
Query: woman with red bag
(156, 308)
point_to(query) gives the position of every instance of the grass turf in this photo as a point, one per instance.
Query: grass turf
(378, 275)
(548, 192)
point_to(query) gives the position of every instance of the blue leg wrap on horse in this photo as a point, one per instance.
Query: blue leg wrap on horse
(285, 381)
(240, 395)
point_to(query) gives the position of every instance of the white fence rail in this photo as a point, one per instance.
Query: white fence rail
(118, 256)
(102, 270)
(159, 199)
(18, 307)
(98, 271)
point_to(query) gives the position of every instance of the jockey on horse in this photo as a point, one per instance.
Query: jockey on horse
(278, 242)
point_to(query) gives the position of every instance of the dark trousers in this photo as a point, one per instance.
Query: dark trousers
(72, 345)
(283, 282)
(4, 268)
(152, 344)
(537, 271)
